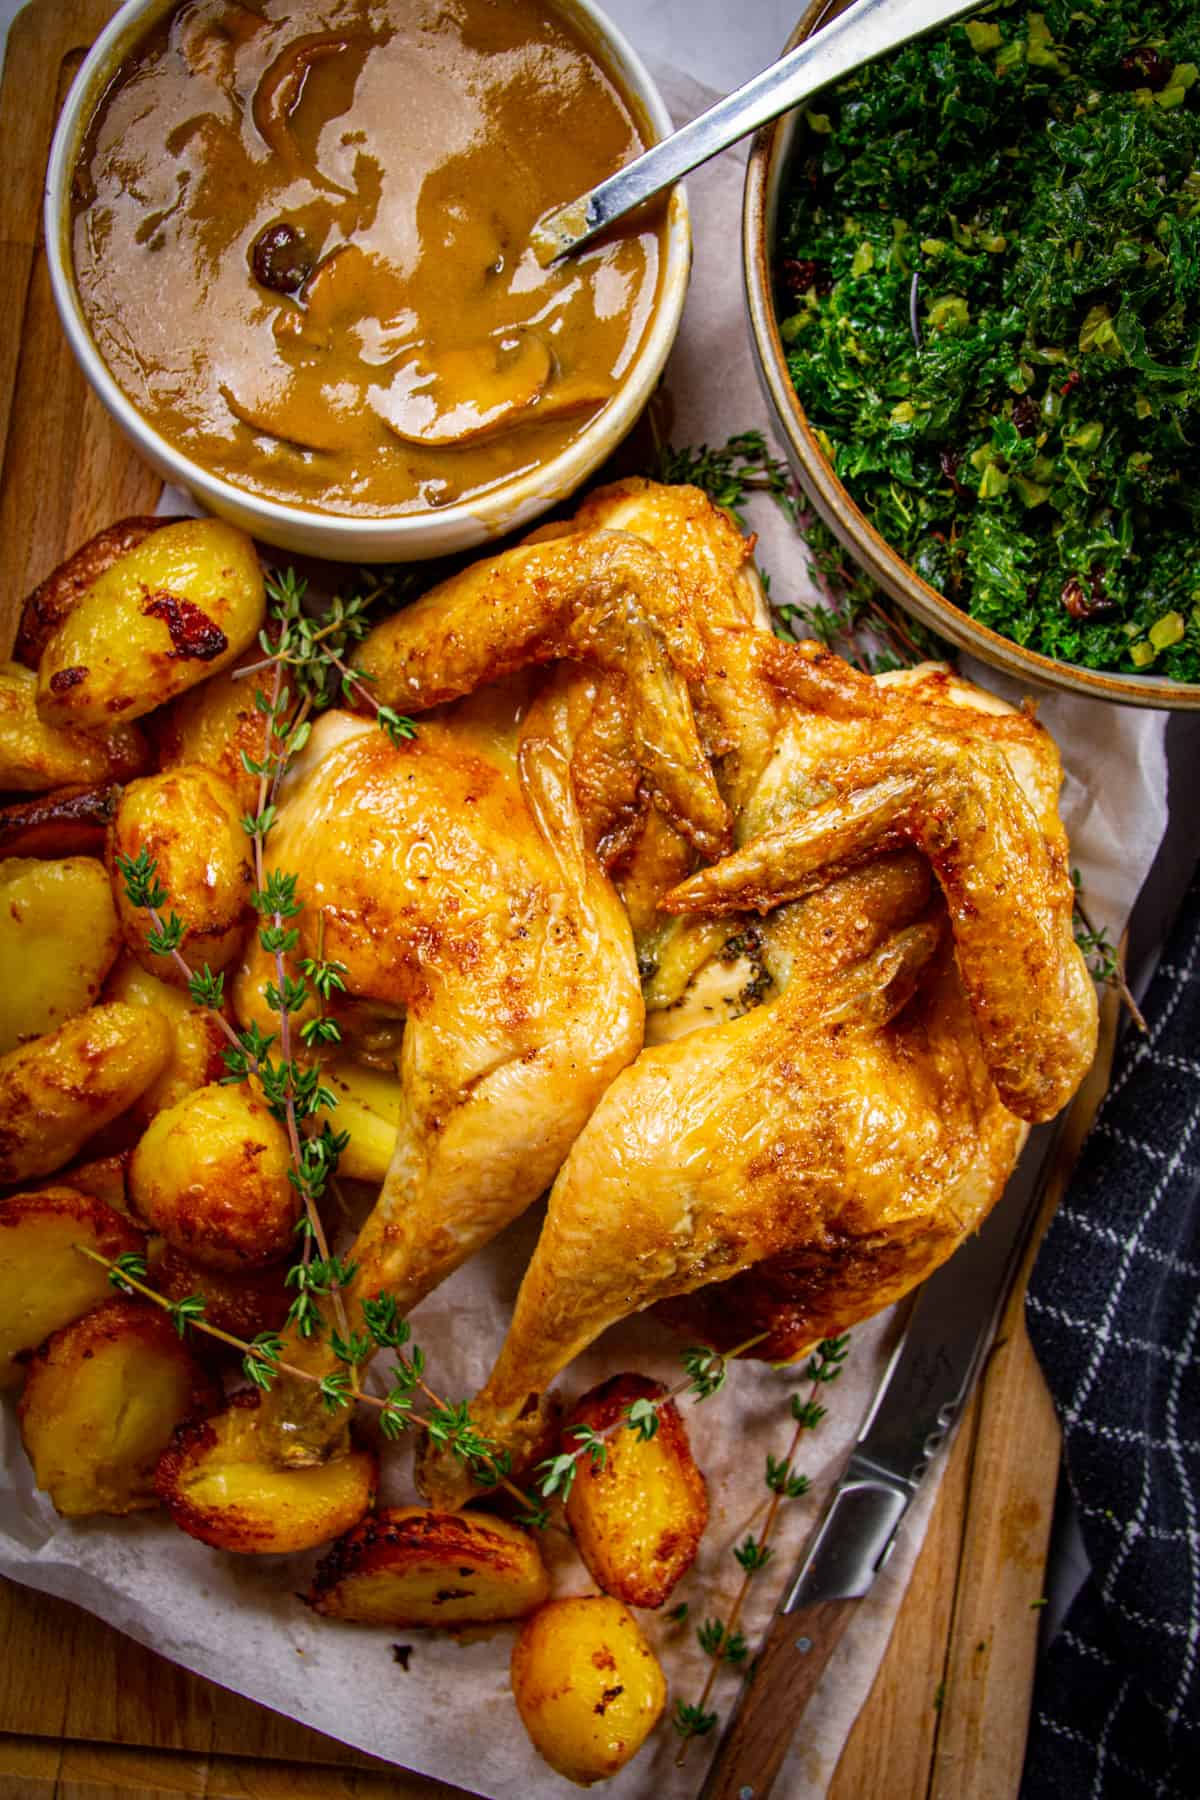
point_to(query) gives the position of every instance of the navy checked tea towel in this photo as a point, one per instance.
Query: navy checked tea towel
(1114, 1314)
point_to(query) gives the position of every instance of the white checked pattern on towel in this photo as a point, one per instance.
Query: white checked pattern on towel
(1114, 1314)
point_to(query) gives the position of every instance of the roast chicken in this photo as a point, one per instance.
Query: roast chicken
(621, 771)
(902, 845)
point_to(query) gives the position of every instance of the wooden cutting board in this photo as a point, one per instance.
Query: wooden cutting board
(85, 1712)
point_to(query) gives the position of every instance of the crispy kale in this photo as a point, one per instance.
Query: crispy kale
(989, 287)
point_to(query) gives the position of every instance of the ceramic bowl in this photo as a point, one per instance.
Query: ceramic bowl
(404, 537)
(766, 178)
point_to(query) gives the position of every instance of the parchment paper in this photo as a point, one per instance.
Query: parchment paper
(238, 1621)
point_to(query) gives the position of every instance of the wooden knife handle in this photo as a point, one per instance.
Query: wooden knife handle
(780, 1685)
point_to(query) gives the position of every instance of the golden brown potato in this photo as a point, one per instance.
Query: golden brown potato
(60, 593)
(212, 724)
(35, 757)
(408, 1566)
(181, 606)
(219, 1487)
(196, 1038)
(368, 1110)
(101, 1400)
(57, 1092)
(638, 1520)
(242, 1304)
(44, 1282)
(70, 821)
(58, 940)
(211, 1174)
(102, 1177)
(587, 1685)
(188, 821)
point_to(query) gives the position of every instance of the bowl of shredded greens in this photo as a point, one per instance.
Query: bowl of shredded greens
(973, 270)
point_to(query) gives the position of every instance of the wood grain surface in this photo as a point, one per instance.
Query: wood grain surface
(86, 1713)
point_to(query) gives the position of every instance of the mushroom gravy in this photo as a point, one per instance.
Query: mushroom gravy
(301, 242)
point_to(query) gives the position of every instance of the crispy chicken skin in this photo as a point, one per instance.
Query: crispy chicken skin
(455, 887)
(905, 851)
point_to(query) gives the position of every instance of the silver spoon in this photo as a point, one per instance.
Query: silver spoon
(864, 31)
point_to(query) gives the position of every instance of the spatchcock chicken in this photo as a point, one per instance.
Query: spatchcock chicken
(848, 902)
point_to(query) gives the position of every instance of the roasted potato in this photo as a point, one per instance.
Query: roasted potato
(242, 1304)
(196, 1037)
(58, 940)
(181, 606)
(57, 1091)
(70, 821)
(36, 757)
(103, 1177)
(587, 1685)
(409, 1566)
(44, 1282)
(63, 589)
(219, 1487)
(211, 1174)
(213, 724)
(188, 820)
(255, 972)
(639, 1519)
(368, 1110)
(100, 1402)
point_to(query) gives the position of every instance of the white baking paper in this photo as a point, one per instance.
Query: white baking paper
(238, 1621)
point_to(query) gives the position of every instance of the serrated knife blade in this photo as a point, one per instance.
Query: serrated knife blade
(922, 1391)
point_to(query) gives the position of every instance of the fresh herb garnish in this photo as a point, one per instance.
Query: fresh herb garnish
(721, 1639)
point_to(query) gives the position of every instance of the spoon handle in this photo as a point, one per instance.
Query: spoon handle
(862, 32)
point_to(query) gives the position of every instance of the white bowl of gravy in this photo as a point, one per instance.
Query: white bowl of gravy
(289, 243)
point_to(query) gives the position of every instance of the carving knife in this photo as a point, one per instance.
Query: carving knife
(923, 1390)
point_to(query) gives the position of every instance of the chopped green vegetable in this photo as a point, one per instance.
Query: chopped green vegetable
(1033, 455)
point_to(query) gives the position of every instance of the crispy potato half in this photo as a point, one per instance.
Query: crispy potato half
(69, 821)
(218, 1486)
(62, 590)
(407, 1565)
(180, 606)
(59, 1090)
(588, 1687)
(103, 1177)
(36, 757)
(638, 1520)
(211, 1174)
(58, 940)
(44, 1282)
(188, 821)
(100, 1402)
(196, 1038)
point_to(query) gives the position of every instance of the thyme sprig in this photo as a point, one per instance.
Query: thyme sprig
(1101, 955)
(705, 1373)
(722, 1640)
(312, 649)
(852, 617)
(447, 1423)
(742, 466)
